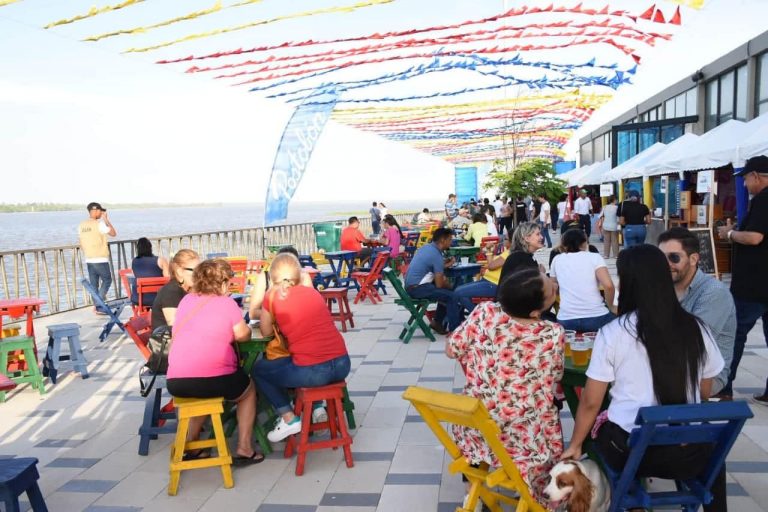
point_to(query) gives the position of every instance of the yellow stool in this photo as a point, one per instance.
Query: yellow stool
(9, 331)
(187, 408)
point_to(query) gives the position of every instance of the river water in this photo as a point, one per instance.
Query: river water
(50, 229)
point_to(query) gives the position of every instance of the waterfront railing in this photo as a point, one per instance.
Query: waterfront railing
(55, 273)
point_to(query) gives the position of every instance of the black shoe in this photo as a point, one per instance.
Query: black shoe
(760, 399)
(438, 328)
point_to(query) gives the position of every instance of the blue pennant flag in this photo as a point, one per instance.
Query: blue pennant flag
(299, 139)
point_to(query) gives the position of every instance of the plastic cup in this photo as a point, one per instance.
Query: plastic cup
(590, 338)
(580, 352)
(465, 260)
(570, 337)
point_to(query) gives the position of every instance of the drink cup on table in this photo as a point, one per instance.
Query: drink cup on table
(590, 338)
(570, 337)
(580, 352)
(465, 260)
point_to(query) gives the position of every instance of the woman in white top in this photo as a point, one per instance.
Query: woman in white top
(608, 223)
(490, 217)
(563, 210)
(580, 274)
(655, 353)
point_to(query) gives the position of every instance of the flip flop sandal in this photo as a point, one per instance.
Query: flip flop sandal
(197, 454)
(239, 460)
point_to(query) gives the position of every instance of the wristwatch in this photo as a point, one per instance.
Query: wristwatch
(728, 236)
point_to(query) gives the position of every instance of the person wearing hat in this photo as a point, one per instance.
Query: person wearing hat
(749, 267)
(634, 216)
(582, 207)
(93, 242)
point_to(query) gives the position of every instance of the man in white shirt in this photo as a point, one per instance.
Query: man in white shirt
(583, 208)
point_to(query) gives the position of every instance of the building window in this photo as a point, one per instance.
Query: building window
(586, 154)
(682, 105)
(599, 149)
(761, 90)
(727, 98)
(607, 145)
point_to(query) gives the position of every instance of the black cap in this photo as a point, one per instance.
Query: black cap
(95, 206)
(755, 164)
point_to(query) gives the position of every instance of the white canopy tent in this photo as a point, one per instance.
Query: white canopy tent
(594, 176)
(633, 166)
(659, 163)
(570, 176)
(754, 145)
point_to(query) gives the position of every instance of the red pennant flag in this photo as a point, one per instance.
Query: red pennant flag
(659, 17)
(647, 15)
(676, 19)
(637, 58)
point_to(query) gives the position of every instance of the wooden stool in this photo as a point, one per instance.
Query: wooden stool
(6, 384)
(339, 295)
(53, 355)
(18, 476)
(31, 374)
(332, 394)
(156, 417)
(187, 408)
(349, 407)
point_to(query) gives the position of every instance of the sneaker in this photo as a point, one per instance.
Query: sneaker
(760, 399)
(283, 429)
(721, 397)
(319, 415)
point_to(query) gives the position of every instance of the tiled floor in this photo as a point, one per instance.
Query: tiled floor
(85, 434)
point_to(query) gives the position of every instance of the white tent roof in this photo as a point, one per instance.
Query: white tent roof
(594, 176)
(658, 164)
(634, 164)
(569, 176)
(754, 145)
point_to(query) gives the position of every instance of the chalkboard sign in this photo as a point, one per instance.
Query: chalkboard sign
(707, 256)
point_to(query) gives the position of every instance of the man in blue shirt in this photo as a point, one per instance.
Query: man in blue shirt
(451, 207)
(701, 295)
(426, 279)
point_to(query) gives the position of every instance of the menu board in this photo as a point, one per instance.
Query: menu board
(707, 257)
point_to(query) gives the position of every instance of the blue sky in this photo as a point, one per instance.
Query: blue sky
(81, 120)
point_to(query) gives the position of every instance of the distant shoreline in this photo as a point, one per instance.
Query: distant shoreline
(68, 207)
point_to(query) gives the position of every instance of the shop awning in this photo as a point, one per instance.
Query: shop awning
(595, 174)
(570, 178)
(660, 163)
(634, 166)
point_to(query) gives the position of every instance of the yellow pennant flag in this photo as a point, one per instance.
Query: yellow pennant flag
(201, 35)
(93, 11)
(8, 2)
(695, 4)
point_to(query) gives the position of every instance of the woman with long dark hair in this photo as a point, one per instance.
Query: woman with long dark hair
(655, 353)
(146, 264)
(393, 235)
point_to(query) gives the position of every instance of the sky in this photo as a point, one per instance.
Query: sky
(82, 122)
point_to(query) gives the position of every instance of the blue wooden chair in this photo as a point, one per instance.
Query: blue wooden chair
(16, 477)
(112, 308)
(214, 255)
(715, 423)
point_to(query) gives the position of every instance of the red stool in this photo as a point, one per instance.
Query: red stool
(332, 394)
(344, 313)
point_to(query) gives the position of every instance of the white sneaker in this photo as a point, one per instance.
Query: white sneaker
(283, 429)
(319, 415)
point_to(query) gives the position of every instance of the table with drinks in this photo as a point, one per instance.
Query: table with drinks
(461, 252)
(578, 351)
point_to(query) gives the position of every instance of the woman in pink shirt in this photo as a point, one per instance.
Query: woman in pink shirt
(392, 235)
(202, 362)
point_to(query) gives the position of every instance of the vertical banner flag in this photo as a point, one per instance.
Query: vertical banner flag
(466, 184)
(296, 146)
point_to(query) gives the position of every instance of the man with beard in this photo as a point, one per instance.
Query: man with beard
(701, 295)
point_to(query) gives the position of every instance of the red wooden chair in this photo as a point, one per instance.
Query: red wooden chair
(239, 265)
(139, 329)
(237, 284)
(127, 279)
(147, 285)
(485, 242)
(369, 280)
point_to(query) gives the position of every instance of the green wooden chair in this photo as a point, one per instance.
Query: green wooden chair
(416, 307)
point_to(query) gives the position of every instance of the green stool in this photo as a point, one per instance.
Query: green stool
(32, 374)
(349, 406)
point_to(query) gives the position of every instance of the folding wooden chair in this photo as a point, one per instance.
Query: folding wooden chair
(484, 243)
(368, 281)
(416, 307)
(715, 423)
(438, 408)
(147, 285)
(127, 280)
(410, 242)
(112, 308)
(139, 329)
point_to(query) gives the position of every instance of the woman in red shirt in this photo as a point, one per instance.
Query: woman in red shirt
(318, 353)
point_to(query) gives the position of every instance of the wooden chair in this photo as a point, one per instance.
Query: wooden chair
(715, 423)
(17, 476)
(416, 307)
(368, 281)
(439, 408)
(147, 285)
(410, 242)
(112, 308)
(485, 242)
(127, 280)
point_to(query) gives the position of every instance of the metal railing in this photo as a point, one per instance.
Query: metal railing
(55, 273)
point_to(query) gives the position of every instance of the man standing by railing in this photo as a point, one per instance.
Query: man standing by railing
(93, 242)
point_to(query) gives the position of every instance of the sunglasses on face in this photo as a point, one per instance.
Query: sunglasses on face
(674, 257)
(188, 268)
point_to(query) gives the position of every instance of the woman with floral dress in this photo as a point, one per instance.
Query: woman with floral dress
(512, 360)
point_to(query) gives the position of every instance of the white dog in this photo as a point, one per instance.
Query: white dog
(581, 485)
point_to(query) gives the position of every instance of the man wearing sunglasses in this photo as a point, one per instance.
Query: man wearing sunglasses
(749, 267)
(701, 295)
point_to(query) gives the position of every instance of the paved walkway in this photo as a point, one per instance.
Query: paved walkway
(85, 434)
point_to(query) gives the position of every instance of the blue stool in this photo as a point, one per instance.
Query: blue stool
(153, 416)
(53, 355)
(18, 476)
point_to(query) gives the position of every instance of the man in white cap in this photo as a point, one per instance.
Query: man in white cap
(93, 242)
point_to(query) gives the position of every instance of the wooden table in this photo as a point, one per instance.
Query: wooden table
(464, 252)
(573, 377)
(15, 308)
(250, 350)
(461, 274)
(338, 260)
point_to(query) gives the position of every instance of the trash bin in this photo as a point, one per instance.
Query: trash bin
(328, 235)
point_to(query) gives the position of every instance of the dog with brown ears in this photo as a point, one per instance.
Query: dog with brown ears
(580, 485)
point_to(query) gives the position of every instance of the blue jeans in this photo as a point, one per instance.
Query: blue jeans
(274, 377)
(100, 272)
(747, 313)
(545, 233)
(465, 293)
(447, 304)
(587, 324)
(634, 234)
(376, 226)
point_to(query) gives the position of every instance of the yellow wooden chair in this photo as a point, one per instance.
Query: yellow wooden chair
(436, 407)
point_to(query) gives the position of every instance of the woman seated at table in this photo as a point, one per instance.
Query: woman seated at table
(526, 240)
(512, 360)
(487, 286)
(477, 230)
(146, 264)
(169, 296)
(261, 285)
(202, 362)
(581, 274)
(392, 236)
(318, 353)
(655, 353)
